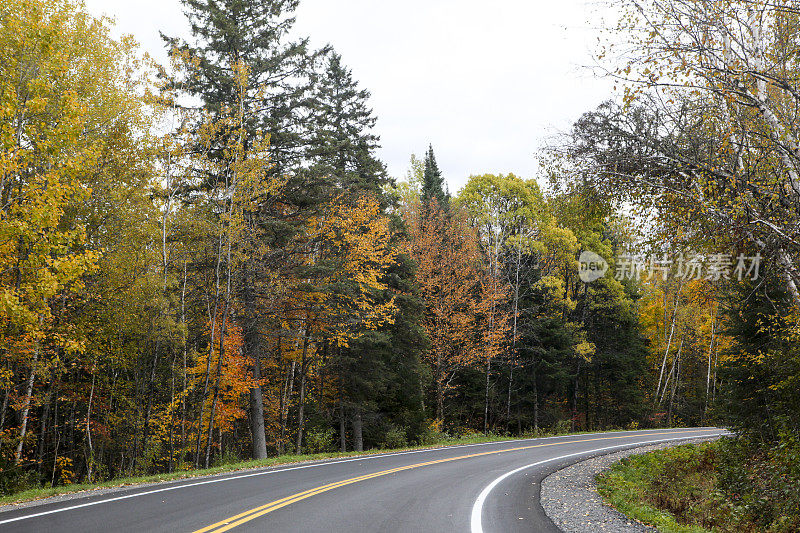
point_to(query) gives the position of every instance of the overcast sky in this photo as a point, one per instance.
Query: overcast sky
(487, 83)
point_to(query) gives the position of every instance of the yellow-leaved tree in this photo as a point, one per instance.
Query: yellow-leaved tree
(67, 101)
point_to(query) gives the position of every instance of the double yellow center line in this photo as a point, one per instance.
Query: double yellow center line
(252, 514)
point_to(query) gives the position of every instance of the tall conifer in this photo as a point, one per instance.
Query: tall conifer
(433, 182)
(344, 145)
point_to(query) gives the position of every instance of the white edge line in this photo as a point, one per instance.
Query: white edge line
(477, 508)
(301, 467)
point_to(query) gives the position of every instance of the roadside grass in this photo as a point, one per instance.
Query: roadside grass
(729, 485)
(235, 465)
(732, 485)
(671, 489)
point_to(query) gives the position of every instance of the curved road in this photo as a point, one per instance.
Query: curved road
(479, 488)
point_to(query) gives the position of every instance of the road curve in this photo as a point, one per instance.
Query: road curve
(482, 488)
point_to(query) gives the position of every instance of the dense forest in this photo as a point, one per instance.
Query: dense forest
(207, 261)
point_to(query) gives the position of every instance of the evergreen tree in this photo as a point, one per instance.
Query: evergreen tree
(433, 182)
(254, 32)
(249, 38)
(612, 386)
(381, 374)
(344, 147)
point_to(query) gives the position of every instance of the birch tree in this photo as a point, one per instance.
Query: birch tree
(708, 135)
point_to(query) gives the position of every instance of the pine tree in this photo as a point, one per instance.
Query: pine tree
(433, 182)
(756, 397)
(344, 147)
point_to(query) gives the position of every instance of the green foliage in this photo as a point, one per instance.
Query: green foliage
(432, 434)
(561, 427)
(762, 366)
(226, 458)
(395, 437)
(343, 147)
(254, 33)
(626, 487)
(15, 480)
(320, 440)
(433, 186)
(618, 364)
(729, 485)
(762, 483)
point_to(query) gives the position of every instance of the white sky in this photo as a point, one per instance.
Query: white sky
(486, 82)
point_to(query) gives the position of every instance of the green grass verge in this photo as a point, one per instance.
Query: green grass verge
(673, 490)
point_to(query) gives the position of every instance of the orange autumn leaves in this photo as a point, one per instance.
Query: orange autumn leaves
(465, 319)
(349, 241)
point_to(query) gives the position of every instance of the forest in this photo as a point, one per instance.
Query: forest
(207, 261)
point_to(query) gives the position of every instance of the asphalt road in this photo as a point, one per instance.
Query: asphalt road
(472, 488)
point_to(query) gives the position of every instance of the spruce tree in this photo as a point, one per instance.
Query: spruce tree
(380, 374)
(433, 182)
(344, 146)
(254, 32)
(228, 34)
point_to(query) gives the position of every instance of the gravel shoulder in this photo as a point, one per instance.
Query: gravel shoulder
(569, 496)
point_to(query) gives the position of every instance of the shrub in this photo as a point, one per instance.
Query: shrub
(762, 484)
(13, 480)
(319, 440)
(394, 437)
(732, 485)
(433, 433)
(562, 427)
(227, 457)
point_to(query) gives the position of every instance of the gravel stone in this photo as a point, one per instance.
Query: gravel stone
(569, 496)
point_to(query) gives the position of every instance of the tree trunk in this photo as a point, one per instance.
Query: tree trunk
(301, 407)
(150, 394)
(714, 377)
(342, 428)
(323, 362)
(672, 370)
(3, 414)
(669, 342)
(43, 426)
(358, 439)
(575, 398)
(26, 406)
(90, 458)
(223, 331)
(257, 412)
(217, 379)
(535, 403)
(708, 374)
(674, 387)
(288, 390)
(789, 271)
(58, 441)
(486, 398)
(171, 461)
(508, 399)
(439, 394)
(213, 311)
(513, 355)
(185, 350)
